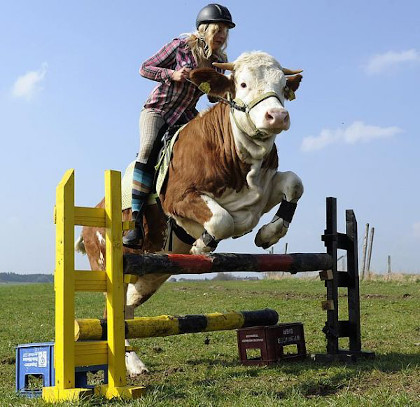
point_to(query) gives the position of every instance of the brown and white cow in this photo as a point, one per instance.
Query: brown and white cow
(223, 175)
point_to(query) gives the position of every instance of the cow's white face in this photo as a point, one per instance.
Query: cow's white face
(255, 75)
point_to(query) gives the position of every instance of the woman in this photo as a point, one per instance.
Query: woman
(174, 100)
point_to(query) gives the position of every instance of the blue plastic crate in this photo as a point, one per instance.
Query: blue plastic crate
(37, 360)
(34, 359)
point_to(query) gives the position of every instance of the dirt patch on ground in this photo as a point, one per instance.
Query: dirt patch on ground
(373, 296)
(410, 384)
(8, 361)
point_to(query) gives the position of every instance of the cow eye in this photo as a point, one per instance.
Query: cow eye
(243, 85)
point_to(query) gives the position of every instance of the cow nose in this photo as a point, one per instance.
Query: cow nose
(276, 118)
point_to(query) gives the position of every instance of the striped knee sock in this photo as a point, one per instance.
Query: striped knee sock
(142, 186)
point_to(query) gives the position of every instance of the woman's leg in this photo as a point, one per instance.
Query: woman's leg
(152, 126)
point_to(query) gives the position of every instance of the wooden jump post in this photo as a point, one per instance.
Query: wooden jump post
(107, 344)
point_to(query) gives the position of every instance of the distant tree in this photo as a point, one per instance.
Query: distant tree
(26, 278)
(223, 277)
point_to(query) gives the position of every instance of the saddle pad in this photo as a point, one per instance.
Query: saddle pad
(163, 164)
(126, 186)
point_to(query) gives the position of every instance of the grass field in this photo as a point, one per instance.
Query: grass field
(185, 371)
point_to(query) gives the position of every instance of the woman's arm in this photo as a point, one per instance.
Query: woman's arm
(158, 66)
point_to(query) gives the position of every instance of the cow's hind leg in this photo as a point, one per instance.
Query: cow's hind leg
(203, 218)
(137, 294)
(287, 189)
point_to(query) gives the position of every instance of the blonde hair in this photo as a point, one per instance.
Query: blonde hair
(201, 43)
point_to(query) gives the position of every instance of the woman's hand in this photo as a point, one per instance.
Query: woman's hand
(181, 75)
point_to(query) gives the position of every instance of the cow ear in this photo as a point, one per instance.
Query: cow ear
(292, 84)
(210, 81)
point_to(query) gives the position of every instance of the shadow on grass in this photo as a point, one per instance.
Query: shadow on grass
(308, 379)
(388, 363)
(320, 379)
(395, 362)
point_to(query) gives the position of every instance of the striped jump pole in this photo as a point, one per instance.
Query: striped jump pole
(166, 325)
(225, 262)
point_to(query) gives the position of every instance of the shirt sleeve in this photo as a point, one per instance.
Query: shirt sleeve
(159, 67)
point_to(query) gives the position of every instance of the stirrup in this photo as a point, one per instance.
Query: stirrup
(134, 239)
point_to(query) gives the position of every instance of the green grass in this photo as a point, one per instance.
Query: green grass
(184, 371)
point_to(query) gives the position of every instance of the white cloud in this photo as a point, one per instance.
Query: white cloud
(416, 229)
(382, 62)
(357, 132)
(28, 85)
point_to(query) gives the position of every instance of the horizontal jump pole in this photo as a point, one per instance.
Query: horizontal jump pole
(165, 325)
(224, 262)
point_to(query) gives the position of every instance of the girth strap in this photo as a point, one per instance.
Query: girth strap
(180, 233)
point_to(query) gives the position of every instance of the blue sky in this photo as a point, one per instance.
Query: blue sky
(70, 96)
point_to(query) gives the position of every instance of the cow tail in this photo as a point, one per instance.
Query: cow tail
(79, 246)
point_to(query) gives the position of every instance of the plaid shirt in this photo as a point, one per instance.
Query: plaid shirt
(172, 99)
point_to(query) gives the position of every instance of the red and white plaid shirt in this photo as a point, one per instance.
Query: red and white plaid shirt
(172, 99)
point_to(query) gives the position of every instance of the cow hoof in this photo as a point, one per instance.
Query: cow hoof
(269, 234)
(200, 250)
(143, 372)
(199, 247)
(259, 242)
(264, 236)
(135, 367)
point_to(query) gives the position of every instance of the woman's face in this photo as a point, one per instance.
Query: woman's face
(219, 37)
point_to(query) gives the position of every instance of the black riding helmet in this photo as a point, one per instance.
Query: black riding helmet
(214, 13)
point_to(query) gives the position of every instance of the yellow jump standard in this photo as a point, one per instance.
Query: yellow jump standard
(68, 354)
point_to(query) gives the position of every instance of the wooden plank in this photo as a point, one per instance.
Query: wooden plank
(326, 275)
(90, 281)
(128, 224)
(64, 284)
(328, 305)
(115, 292)
(91, 353)
(355, 339)
(331, 304)
(130, 278)
(84, 216)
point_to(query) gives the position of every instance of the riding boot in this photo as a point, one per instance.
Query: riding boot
(135, 237)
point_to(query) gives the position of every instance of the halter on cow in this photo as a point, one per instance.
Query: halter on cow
(223, 175)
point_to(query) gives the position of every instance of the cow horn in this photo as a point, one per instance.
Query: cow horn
(227, 66)
(290, 71)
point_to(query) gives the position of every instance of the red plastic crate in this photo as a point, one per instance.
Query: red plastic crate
(269, 342)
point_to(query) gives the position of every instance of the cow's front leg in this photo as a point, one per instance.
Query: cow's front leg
(137, 294)
(202, 217)
(219, 226)
(287, 189)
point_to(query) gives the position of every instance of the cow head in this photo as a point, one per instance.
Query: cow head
(259, 85)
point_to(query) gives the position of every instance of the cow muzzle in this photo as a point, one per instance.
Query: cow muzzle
(276, 119)
(273, 120)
